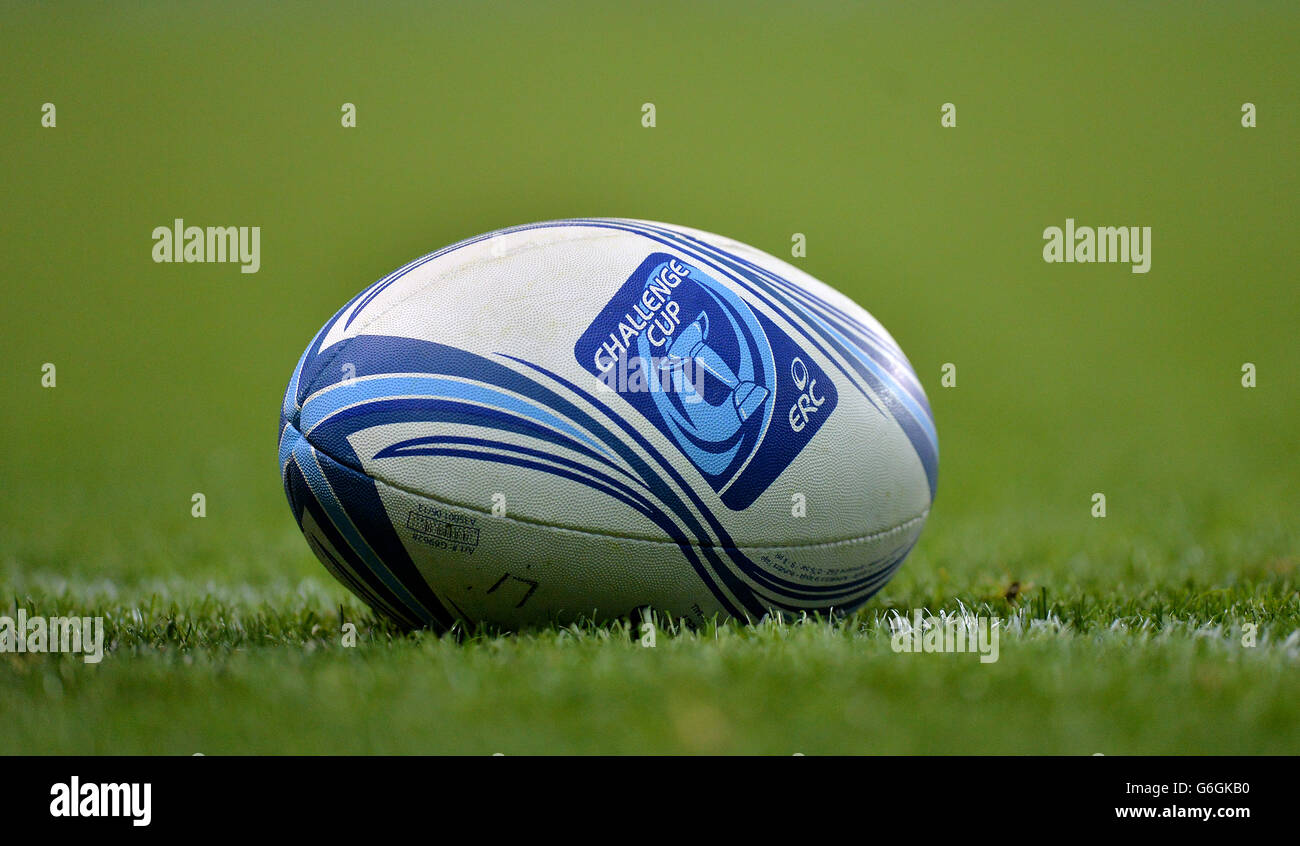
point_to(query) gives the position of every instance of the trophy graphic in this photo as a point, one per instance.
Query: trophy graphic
(690, 355)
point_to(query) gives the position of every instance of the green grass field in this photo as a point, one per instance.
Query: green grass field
(1126, 633)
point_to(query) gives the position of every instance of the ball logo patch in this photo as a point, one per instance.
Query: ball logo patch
(730, 388)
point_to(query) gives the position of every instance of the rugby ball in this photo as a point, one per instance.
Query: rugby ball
(580, 418)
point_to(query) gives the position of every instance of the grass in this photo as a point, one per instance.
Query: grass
(198, 667)
(1122, 635)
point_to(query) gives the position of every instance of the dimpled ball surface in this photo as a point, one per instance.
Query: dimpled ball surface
(580, 418)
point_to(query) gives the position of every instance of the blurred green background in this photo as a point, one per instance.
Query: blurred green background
(772, 119)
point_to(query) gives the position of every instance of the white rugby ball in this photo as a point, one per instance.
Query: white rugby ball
(578, 418)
